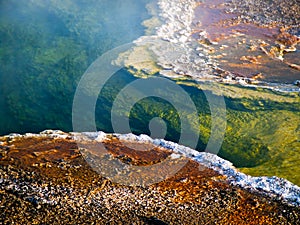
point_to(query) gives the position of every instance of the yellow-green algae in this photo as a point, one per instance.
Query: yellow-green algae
(263, 125)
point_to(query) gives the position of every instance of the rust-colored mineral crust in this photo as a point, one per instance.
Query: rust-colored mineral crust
(247, 38)
(44, 179)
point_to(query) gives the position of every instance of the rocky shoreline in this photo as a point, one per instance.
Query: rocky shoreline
(181, 50)
(47, 178)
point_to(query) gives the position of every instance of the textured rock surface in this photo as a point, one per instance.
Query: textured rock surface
(45, 179)
(221, 40)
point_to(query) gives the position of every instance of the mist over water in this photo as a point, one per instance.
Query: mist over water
(46, 46)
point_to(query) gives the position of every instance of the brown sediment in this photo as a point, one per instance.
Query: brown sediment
(211, 16)
(286, 38)
(247, 36)
(196, 194)
(41, 150)
(294, 66)
(141, 154)
(191, 180)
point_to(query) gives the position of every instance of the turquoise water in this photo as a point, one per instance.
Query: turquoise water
(46, 46)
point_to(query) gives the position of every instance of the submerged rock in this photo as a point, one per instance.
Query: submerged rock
(189, 43)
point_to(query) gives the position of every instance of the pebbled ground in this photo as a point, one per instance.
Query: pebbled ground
(44, 179)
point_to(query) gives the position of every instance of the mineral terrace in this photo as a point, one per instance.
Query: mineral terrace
(52, 178)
